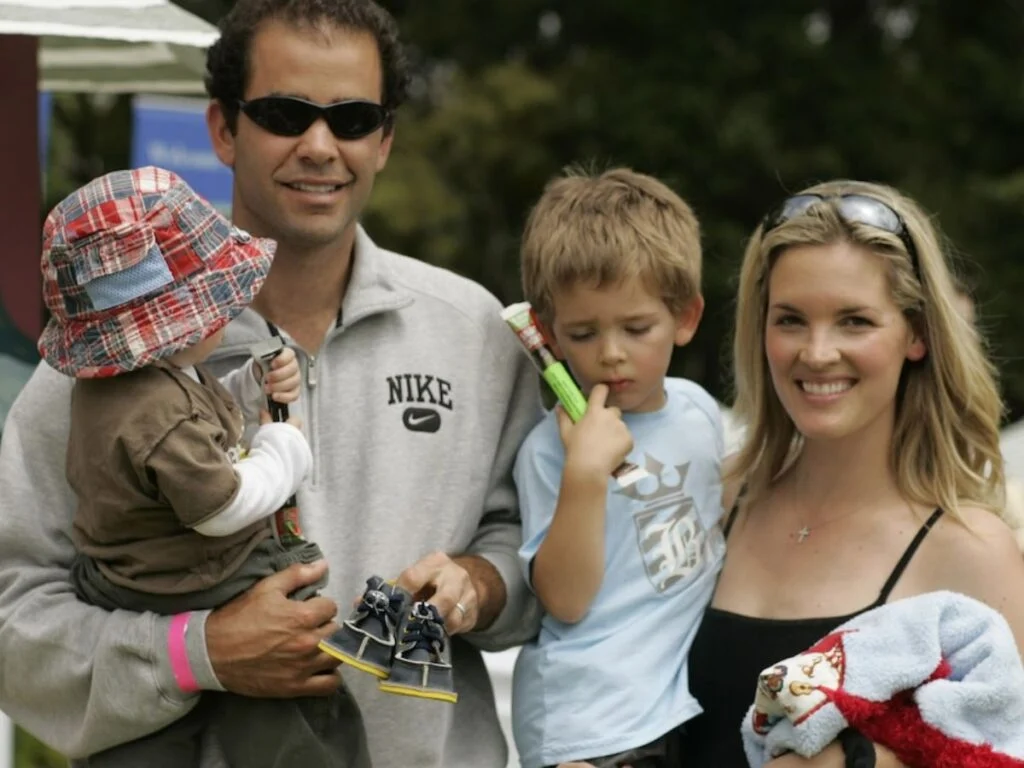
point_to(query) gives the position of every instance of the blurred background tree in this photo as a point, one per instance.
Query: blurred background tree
(733, 104)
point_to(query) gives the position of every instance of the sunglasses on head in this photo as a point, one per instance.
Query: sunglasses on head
(292, 116)
(860, 209)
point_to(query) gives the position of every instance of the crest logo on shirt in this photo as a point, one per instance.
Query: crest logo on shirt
(420, 392)
(670, 534)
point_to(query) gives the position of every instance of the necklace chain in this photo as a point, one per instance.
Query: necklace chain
(805, 530)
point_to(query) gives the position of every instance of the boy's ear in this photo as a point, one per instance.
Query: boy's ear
(688, 319)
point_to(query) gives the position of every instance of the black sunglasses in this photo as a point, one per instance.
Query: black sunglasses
(852, 207)
(291, 116)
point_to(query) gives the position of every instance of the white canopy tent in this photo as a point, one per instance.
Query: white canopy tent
(112, 46)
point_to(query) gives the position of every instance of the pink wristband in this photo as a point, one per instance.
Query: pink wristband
(178, 653)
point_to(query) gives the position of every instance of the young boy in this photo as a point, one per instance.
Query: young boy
(141, 275)
(611, 264)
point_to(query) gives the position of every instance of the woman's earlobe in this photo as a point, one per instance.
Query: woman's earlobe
(917, 350)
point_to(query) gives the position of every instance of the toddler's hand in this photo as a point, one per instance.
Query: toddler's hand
(600, 441)
(283, 381)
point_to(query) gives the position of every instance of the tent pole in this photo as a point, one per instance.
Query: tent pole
(20, 186)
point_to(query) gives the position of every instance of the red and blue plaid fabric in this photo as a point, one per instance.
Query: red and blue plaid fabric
(136, 266)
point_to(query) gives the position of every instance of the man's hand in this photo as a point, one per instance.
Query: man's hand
(262, 644)
(468, 591)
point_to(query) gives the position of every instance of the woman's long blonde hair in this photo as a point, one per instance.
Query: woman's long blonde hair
(945, 446)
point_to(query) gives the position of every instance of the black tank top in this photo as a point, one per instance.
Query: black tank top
(729, 652)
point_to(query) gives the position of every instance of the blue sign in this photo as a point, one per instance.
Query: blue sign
(171, 133)
(45, 110)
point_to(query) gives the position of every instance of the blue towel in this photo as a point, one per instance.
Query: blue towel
(936, 678)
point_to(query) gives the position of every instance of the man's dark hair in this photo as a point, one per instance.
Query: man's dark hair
(228, 64)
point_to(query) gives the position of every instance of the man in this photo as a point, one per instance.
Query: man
(415, 401)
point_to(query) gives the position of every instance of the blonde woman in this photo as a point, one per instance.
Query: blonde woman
(870, 468)
(871, 465)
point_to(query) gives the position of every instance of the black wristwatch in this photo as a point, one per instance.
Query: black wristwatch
(858, 749)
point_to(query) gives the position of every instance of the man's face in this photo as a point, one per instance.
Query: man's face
(308, 191)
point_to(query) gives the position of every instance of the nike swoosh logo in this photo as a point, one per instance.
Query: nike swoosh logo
(421, 420)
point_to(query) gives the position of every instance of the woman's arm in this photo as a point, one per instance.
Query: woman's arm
(989, 566)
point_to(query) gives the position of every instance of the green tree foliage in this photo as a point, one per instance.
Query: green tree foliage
(30, 753)
(732, 103)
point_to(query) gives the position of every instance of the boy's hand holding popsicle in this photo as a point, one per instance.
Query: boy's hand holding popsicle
(598, 442)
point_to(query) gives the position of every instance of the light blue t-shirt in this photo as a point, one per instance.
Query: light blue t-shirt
(618, 679)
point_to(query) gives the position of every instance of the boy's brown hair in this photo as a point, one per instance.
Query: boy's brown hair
(601, 229)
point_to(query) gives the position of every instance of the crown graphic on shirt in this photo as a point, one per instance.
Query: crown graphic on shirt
(666, 493)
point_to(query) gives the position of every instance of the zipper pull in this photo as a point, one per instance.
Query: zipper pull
(311, 371)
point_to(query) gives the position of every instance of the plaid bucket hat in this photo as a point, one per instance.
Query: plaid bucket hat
(136, 267)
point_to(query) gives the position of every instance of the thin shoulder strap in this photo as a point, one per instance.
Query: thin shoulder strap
(732, 512)
(730, 519)
(901, 566)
